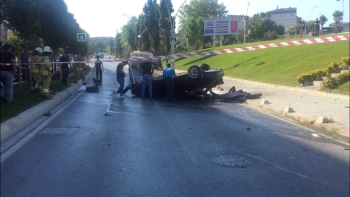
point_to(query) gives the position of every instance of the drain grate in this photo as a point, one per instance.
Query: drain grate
(232, 161)
(58, 131)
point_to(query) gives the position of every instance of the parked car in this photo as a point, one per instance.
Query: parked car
(327, 30)
(197, 80)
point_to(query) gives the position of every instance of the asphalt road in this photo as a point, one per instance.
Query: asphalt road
(101, 145)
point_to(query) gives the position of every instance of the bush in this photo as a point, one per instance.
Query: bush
(271, 35)
(342, 77)
(346, 61)
(306, 77)
(333, 82)
(320, 73)
(330, 83)
(331, 68)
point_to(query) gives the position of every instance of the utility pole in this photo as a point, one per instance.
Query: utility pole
(245, 22)
(172, 24)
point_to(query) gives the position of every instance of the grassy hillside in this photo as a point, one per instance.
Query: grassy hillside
(279, 65)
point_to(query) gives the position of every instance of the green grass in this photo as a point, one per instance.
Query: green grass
(279, 65)
(23, 100)
(343, 89)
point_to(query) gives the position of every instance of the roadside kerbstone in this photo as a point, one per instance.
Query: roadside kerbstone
(288, 110)
(264, 102)
(322, 120)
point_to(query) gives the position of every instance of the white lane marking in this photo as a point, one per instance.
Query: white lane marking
(35, 131)
(178, 136)
(315, 135)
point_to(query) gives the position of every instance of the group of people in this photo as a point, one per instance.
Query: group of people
(147, 69)
(40, 68)
(78, 67)
(40, 71)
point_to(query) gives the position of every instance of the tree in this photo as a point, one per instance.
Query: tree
(192, 17)
(21, 16)
(260, 24)
(165, 10)
(151, 11)
(323, 20)
(338, 18)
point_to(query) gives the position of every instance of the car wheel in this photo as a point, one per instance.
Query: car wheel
(205, 67)
(194, 73)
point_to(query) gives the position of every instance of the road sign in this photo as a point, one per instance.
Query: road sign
(81, 37)
(172, 40)
(223, 26)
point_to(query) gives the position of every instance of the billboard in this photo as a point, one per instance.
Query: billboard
(222, 26)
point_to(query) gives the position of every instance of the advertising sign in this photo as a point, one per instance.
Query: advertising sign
(222, 26)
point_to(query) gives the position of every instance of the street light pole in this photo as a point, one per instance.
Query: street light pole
(140, 37)
(308, 17)
(172, 24)
(244, 22)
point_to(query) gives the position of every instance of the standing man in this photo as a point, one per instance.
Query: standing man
(147, 69)
(7, 70)
(168, 75)
(47, 72)
(35, 68)
(98, 69)
(64, 67)
(79, 69)
(121, 77)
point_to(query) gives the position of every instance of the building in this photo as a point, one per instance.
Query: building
(3, 36)
(284, 16)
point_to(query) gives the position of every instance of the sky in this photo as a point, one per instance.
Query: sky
(103, 18)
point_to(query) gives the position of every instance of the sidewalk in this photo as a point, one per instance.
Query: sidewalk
(303, 104)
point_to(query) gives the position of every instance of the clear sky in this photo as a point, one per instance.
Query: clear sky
(105, 17)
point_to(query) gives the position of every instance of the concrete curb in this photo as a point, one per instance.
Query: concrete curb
(293, 89)
(333, 128)
(12, 126)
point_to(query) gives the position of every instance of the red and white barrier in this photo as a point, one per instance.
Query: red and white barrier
(232, 50)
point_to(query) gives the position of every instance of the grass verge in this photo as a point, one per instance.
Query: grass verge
(23, 100)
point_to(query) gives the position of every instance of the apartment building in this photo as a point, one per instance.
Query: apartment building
(284, 16)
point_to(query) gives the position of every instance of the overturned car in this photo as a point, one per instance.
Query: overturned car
(198, 80)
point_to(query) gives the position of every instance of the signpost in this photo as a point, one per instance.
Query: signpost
(172, 40)
(222, 26)
(81, 37)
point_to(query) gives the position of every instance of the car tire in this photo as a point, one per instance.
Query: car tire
(194, 73)
(204, 67)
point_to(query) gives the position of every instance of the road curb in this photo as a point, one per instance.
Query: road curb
(293, 89)
(332, 128)
(14, 125)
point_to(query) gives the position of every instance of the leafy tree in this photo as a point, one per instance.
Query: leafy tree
(192, 17)
(338, 18)
(151, 11)
(323, 20)
(165, 18)
(280, 29)
(259, 24)
(21, 16)
(310, 26)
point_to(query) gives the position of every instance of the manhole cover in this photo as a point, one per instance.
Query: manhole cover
(58, 131)
(231, 160)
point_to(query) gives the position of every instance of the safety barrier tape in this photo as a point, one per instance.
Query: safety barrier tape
(224, 51)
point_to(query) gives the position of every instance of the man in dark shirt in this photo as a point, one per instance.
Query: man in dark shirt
(120, 77)
(64, 67)
(147, 69)
(98, 69)
(7, 70)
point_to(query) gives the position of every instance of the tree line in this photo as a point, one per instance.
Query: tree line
(47, 22)
(37, 23)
